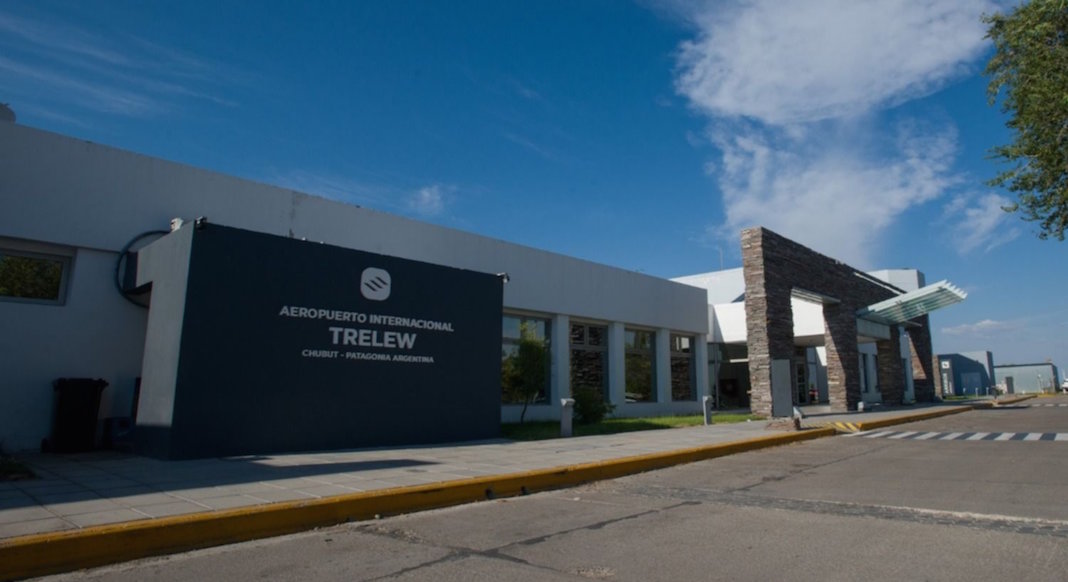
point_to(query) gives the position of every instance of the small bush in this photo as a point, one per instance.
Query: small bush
(590, 405)
(10, 469)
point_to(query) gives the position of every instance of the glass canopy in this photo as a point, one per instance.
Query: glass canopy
(906, 306)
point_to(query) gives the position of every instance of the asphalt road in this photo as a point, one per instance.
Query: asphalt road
(936, 503)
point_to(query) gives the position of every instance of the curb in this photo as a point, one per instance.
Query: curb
(851, 427)
(873, 424)
(1014, 400)
(843, 427)
(51, 553)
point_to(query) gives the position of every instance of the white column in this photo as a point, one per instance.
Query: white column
(617, 385)
(560, 358)
(663, 365)
(700, 366)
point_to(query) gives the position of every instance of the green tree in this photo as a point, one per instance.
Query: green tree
(524, 371)
(29, 277)
(1029, 74)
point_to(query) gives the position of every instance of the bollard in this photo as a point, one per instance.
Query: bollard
(567, 407)
(706, 405)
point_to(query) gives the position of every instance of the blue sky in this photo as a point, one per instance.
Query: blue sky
(642, 135)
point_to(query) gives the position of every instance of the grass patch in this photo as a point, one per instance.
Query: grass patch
(534, 431)
(12, 470)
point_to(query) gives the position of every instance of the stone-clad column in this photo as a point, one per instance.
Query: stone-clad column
(891, 376)
(843, 369)
(925, 379)
(768, 316)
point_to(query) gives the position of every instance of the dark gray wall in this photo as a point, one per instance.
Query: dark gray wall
(243, 386)
(981, 363)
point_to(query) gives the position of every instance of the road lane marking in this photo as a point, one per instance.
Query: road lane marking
(964, 436)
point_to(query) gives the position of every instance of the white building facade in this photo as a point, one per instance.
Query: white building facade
(69, 207)
(647, 346)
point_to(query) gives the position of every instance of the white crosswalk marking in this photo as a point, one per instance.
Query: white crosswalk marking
(973, 437)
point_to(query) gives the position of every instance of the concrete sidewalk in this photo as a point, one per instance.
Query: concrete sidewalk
(102, 500)
(78, 491)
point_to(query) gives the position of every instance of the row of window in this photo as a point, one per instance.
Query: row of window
(525, 361)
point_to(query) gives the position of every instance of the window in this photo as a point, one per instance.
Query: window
(589, 358)
(640, 359)
(682, 368)
(33, 277)
(524, 360)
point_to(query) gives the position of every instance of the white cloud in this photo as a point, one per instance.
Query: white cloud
(330, 186)
(983, 329)
(789, 62)
(58, 64)
(98, 96)
(425, 202)
(791, 89)
(837, 201)
(429, 200)
(525, 91)
(979, 222)
(69, 40)
(530, 145)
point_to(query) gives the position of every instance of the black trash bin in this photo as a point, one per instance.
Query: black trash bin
(77, 407)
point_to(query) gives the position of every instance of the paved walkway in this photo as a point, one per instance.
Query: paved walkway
(78, 491)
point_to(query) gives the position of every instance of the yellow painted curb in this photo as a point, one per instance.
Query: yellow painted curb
(873, 424)
(850, 427)
(1015, 400)
(50, 553)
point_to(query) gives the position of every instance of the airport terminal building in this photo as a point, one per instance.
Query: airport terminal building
(266, 319)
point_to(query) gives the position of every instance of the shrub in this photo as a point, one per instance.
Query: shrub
(590, 406)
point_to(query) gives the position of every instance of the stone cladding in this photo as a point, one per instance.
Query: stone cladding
(773, 267)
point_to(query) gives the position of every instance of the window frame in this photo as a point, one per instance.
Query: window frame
(547, 341)
(66, 261)
(585, 345)
(675, 352)
(650, 352)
